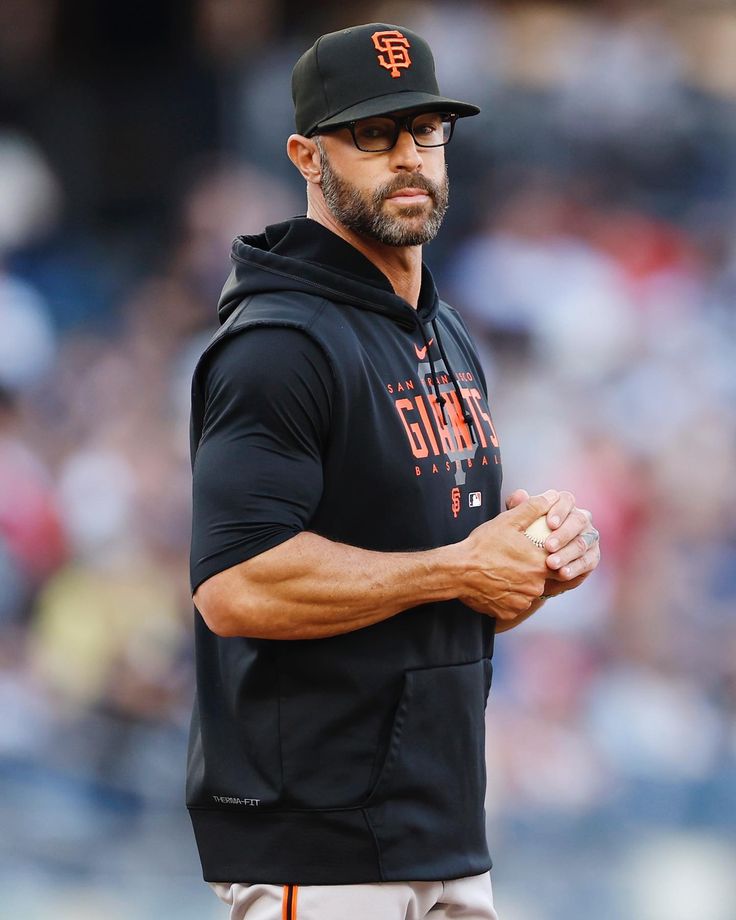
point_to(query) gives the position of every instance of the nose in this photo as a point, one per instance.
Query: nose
(405, 153)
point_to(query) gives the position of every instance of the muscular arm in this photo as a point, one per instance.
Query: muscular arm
(256, 568)
(309, 587)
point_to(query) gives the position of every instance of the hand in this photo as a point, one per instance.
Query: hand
(573, 546)
(504, 572)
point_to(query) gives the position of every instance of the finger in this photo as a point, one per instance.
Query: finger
(535, 507)
(517, 497)
(561, 509)
(577, 548)
(561, 585)
(552, 588)
(582, 566)
(572, 526)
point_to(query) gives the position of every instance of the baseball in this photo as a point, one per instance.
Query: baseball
(538, 531)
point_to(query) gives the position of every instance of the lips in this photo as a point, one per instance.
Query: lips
(415, 190)
(410, 195)
(410, 192)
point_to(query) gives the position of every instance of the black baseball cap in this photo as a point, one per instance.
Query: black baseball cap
(366, 70)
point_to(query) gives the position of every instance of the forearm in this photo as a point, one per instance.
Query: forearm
(310, 588)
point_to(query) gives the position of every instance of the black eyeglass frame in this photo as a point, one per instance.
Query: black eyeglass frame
(405, 122)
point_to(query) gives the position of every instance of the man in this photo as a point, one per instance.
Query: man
(350, 560)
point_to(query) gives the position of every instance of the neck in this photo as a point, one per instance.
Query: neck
(402, 265)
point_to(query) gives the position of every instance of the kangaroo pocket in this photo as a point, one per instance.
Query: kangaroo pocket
(426, 808)
(234, 753)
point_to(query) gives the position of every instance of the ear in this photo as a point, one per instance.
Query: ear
(304, 154)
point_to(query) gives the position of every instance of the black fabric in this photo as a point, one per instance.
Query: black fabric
(357, 757)
(308, 241)
(272, 262)
(354, 73)
(258, 476)
(422, 821)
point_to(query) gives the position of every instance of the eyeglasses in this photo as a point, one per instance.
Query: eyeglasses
(381, 132)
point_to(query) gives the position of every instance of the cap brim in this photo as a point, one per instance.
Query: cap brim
(399, 102)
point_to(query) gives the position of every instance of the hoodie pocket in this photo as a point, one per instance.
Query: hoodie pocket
(428, 799)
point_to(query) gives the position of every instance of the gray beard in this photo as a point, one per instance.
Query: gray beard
(366, 216)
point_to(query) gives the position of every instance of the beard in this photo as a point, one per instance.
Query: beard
(364, 213)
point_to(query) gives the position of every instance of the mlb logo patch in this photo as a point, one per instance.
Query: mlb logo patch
(475, 499)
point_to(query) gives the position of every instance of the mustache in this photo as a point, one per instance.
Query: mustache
(416, 180)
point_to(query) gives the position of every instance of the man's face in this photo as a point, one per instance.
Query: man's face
(397, 197)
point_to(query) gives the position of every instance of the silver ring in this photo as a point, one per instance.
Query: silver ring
(590, 537)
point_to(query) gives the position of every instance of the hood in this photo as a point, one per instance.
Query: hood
(303, 256)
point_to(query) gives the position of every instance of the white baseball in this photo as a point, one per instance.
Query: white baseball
(538, 531)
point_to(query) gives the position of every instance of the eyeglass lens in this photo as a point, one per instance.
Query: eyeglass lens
(429, 129)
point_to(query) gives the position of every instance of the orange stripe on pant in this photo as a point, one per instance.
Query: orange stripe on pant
(288, 903)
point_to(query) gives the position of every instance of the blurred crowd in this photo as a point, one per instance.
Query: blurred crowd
(591, 245)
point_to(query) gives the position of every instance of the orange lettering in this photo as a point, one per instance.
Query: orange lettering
(445, 433)
(475, 398)
(476, 419)
(427, 425)
(460, 426)
(455, 497)
(391, 47)
(413, 430)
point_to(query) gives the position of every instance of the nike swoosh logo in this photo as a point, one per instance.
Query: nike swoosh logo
(422, 352)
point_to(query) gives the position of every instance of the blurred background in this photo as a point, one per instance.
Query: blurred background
(590, 243)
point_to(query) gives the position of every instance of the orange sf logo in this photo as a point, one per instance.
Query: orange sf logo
(455, 496)
(393, 46)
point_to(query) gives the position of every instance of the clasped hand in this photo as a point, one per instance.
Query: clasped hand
(573, 545)
(507, 575)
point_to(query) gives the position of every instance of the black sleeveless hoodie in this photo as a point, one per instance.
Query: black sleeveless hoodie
(357, 758)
